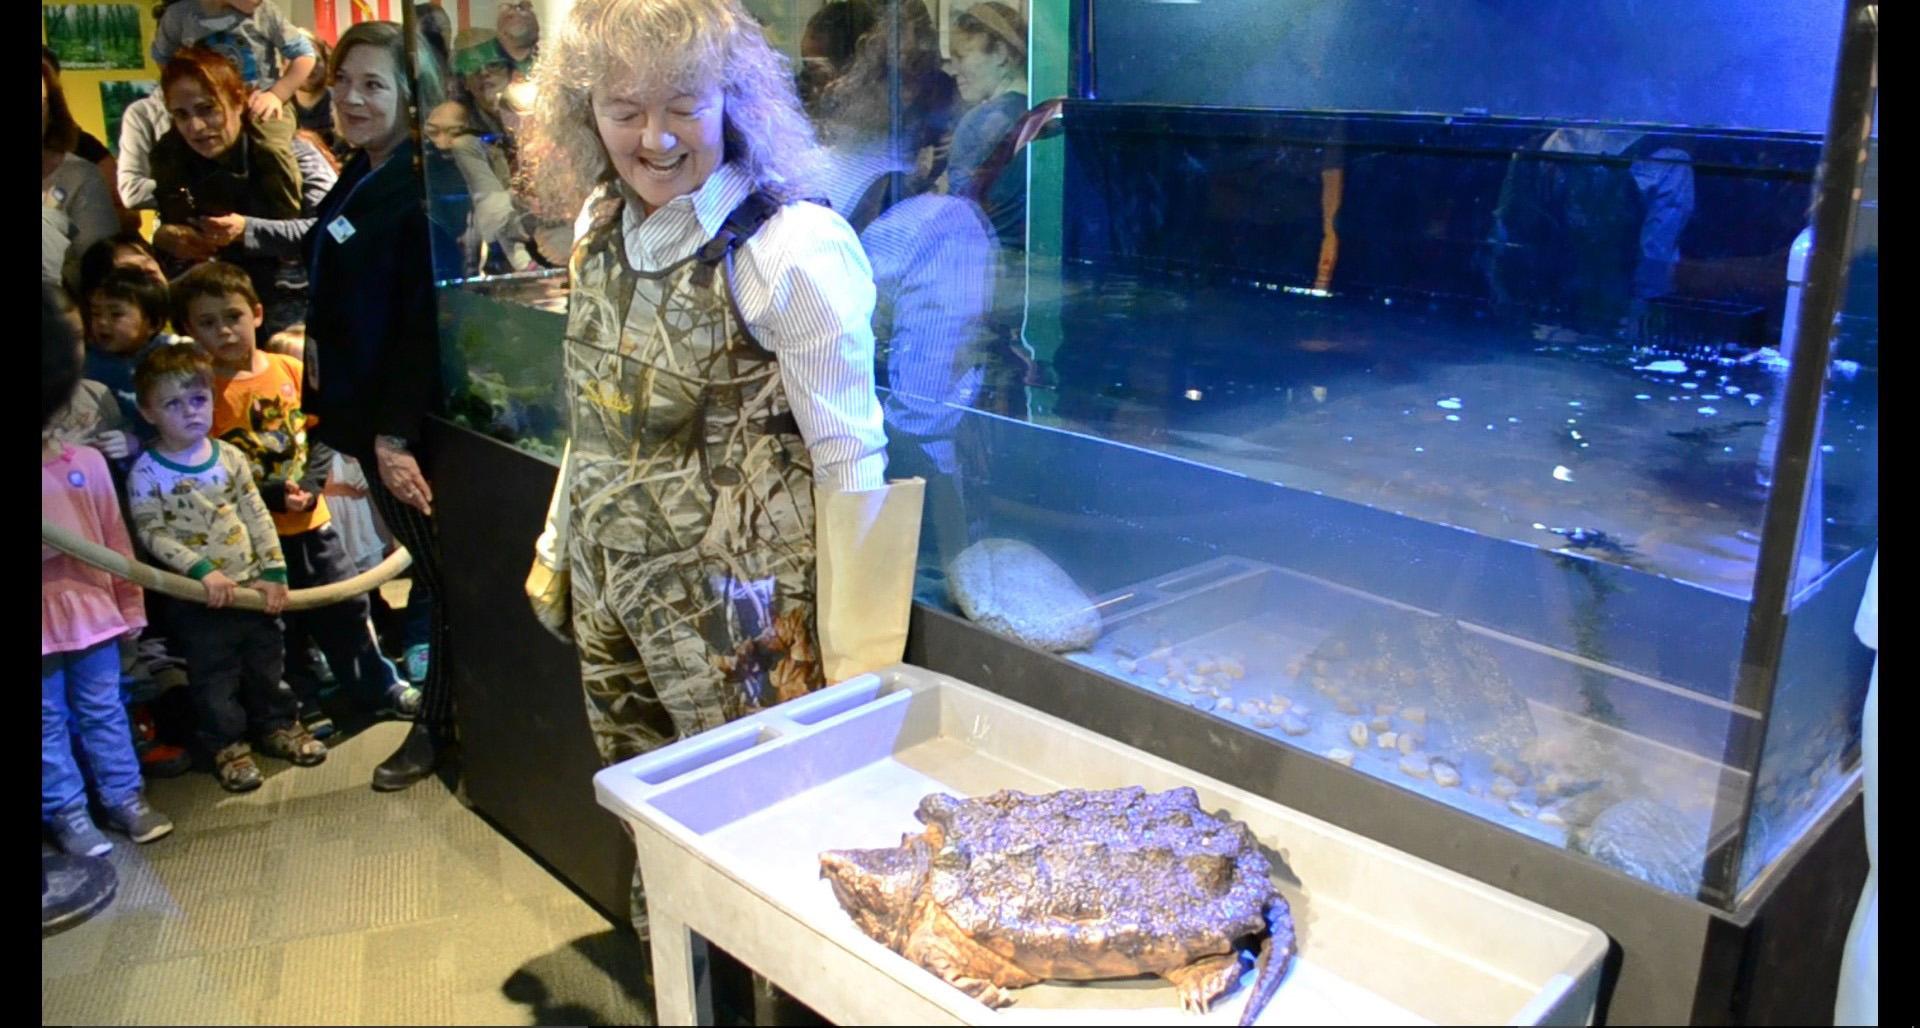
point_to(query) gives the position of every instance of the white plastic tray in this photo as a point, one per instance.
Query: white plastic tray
(729, 826)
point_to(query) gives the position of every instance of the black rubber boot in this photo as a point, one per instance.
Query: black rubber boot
(422, 752)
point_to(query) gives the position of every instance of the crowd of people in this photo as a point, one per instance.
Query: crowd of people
(275, 442)
(216, 453)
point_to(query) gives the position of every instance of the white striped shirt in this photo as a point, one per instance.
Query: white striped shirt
(804, 286)
(934, 259)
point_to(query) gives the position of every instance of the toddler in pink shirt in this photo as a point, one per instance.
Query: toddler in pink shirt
(83, 613)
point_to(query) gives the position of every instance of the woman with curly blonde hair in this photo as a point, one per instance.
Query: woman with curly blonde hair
(651, 45)
(719, 364)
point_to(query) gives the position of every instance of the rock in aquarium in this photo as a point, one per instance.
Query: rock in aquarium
(1010, 588)
(1649, 840)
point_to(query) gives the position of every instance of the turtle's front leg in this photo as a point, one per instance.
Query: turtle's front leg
(983, 990)
(940, 946)
(1204, 980)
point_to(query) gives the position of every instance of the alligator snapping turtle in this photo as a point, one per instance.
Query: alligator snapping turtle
(1012, 889)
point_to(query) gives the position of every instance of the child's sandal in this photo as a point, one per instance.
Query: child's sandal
(294, 744)
(236, 770)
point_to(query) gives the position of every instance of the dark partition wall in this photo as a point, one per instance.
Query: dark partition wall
(530, 760)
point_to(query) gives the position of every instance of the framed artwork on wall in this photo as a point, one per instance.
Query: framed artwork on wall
(114, 98)
(95, 37)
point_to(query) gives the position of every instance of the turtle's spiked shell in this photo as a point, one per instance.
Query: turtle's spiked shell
(1081, 884)
(1012, 889)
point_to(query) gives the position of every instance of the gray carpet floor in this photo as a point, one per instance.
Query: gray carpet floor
(315, 900)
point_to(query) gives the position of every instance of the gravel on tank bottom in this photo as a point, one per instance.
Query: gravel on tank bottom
(1258, 675)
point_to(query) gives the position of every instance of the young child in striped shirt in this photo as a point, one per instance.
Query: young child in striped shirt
(197, 510)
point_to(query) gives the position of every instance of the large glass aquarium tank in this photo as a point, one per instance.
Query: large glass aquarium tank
(1439, 389)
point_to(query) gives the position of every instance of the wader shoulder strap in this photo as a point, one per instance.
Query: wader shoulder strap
(740, 226)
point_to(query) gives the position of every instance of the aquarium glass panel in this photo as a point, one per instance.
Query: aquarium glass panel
(1812, 747)
(1397, 381)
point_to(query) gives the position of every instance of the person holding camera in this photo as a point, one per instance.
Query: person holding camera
(221, 196)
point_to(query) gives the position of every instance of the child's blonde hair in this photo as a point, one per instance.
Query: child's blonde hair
(687, 44)
(289, 342)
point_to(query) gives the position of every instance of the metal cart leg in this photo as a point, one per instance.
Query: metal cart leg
(682, 991)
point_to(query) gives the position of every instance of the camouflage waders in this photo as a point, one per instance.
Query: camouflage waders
(691, 548)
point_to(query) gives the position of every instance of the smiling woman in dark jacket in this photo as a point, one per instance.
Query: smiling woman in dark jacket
(373, 354)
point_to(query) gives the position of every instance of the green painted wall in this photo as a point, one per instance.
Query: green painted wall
(1047, 77)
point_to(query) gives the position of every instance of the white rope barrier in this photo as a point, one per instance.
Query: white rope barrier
(181, 587)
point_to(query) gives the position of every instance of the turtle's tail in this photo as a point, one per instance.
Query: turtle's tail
(1276, 955)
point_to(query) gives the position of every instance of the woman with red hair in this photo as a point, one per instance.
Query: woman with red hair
(224, 191)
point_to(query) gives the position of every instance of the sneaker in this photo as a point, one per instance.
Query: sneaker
(139, 820)
(76, 834)
(160, 760)
(319, 725)
(235, 769)
(416, 661)
(294, 744)
(321, 669)
(303, 676)
(157, 759)
(402, 703)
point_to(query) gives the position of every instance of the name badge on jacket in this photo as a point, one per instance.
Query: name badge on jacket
(341, 229)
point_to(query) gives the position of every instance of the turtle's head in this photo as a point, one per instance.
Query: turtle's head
(878, 886)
